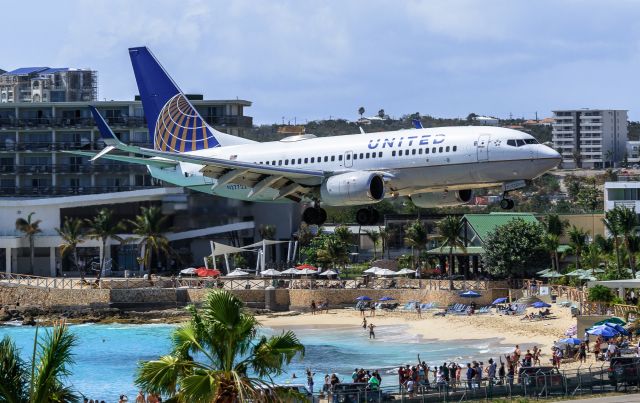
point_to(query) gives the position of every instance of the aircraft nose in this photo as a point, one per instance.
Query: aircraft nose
(549, 154)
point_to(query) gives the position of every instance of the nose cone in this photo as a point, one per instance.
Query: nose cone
(551, 157)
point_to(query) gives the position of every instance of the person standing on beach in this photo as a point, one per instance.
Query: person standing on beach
(372, 334)
(470, 374)
(310, 380)
(364, 323)
(586, 340)
(140, 398)
(372, 312)
(491, 371)
(313, 307)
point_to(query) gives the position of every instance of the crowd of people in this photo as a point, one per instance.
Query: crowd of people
(140, 398)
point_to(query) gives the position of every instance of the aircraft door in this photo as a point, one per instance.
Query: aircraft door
(348, 159)
(483, 147)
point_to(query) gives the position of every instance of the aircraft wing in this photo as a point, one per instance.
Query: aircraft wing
(125, 158)
(290, 181)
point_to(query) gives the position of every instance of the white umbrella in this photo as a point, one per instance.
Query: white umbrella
(291, 271)
(406, 271)
(306, 272)
(386, 272)
(328, 273)
(189, 270)
(372, 270)
(552, 274)
(576, 273)
(541, 272)
(237, 273)
(271, 272)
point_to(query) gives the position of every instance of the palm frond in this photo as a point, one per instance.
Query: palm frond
(13, 374)
(270, 355)
(54, 360)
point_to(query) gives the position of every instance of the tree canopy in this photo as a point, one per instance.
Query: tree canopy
(514, 248)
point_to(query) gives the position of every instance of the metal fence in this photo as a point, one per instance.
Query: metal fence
(543, 384)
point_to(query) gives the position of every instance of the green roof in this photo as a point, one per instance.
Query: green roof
(469, 250)
(484, 224)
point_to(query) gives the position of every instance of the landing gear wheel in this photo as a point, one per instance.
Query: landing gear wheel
(314, 216)
(506, 204)
(374, 216)
(363, 216)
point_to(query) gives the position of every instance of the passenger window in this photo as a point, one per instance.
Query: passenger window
(361, 155)
(313, 160)
(426, 151)
(440, 150)
(447, 149)
(455, 148)
(333, 158)
(373, 155)
(355, 157)
(348, 156)
(340, 157)
(433, 150)
(413, 152)
(306, 160)
(293, 161)
(393, 153)
(286, 162)
(280, 162)
(367, 155)
(273, 162)
(380, 154)
(511, 143)
(420, 151)
(520, 143)
(326, 159)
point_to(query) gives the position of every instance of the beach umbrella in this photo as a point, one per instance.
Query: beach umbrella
(576, 273)
(604, 331)
(570, 340)
(372, 270)
(271, 272)
(405, 271)
(204, 272)
(588, 278)
(190, 271)
(552, 274)
(612, 319)
(237, 273)
(306, 266)
(541, 272)
(306, 272)
(363, 298)
(540, 304)
(328, 273)
(469, 294)
(617, 327)
(596, 271)
(290, 271)
(385, 272)
(499, 301)
(386, 299)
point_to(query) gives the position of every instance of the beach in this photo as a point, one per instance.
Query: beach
(509, 330)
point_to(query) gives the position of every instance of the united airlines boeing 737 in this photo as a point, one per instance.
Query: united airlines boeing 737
(433, 167)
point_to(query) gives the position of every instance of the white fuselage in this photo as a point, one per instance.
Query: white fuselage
(414, 161)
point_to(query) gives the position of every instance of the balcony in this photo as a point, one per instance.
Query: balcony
(69, 123)
(232, 121)
(47, 191)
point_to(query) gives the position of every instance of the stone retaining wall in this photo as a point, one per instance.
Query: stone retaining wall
(52, 298)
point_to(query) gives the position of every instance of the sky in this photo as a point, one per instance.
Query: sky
(302, 60)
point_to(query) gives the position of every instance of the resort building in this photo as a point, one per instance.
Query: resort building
(590, 138)
(622, 193)
(633, 152)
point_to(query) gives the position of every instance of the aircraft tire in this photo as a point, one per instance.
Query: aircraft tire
(363, 216)
(374, 216)
(310, 215)
(321, 216)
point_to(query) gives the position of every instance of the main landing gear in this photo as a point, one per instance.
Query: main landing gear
(314, 216)
(367, 216)
(505, 203)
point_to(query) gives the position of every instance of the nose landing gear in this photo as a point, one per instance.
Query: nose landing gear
(506, 204)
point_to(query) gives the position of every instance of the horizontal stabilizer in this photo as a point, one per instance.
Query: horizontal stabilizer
(131, 160)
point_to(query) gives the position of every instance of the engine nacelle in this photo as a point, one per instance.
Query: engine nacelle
(353, 189)
(442, 199)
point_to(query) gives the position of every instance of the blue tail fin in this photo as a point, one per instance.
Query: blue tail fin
(174, 124)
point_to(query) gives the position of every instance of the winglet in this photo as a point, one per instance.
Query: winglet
(108, 136)
(417, 123)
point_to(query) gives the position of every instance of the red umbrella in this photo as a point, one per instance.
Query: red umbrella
(306, 266)
(204, 272)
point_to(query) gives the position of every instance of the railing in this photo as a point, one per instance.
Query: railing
(66, 190)
(89, 123)
(560, 291)
(39, 282)
(549, 384)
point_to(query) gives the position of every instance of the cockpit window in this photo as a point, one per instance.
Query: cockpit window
(511, 143)
(530, 141)
(520, 143)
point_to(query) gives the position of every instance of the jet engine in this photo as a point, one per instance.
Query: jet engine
(442, 199)
(353, 188)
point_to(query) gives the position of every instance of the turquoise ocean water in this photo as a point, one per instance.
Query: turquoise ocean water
(106, 355)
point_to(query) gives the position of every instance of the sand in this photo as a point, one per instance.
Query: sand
(510, 330)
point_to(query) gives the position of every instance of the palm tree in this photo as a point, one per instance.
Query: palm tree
(592, 256)
(361, 111)
(374, 236)
(344, 234)
(213, 354)
(40, 381)
(612, 225)
(449, 229)
(334, 251)
(417, 237)
(103, 228)
(71, 234)
(29, 229)
(550, 243)
(149, 226)
(628, 225)
(555, 225)
(577, 242)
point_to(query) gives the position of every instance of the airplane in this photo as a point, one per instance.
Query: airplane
(433, 167)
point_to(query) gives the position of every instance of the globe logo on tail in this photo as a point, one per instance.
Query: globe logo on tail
(180, 128)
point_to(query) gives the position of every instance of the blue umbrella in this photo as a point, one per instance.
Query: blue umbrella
(363, 298)
(470, 294)
(499, 301)
(570, 340)
(541, 304)
(617, 327)
(386, 299)
(604, 331)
